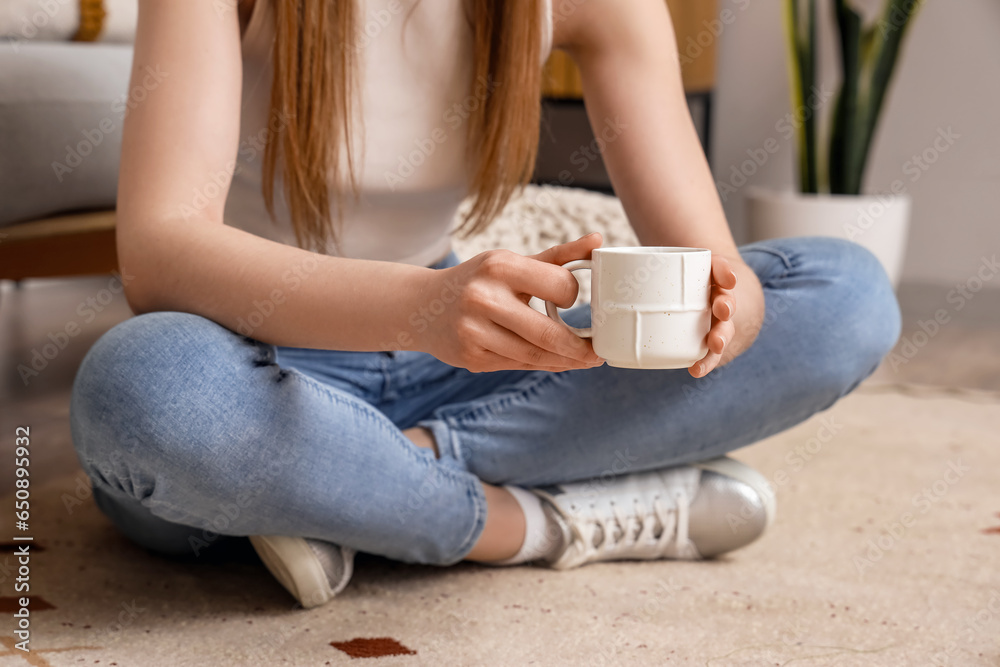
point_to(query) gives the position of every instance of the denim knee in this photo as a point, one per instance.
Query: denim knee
(855, 318)
(135, 397)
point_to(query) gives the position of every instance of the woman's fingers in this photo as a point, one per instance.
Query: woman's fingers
(517, 336)
(493, 315)
(720, 336)
(543, 276)
(567, 252)
(723, 304)
(545, 333)
(707, 364)
(513, 347)
(492, 362)
(546, 281)
(722, 331)
(526, 275)
(722, 272)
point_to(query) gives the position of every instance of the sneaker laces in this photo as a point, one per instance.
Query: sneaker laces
(644, 532)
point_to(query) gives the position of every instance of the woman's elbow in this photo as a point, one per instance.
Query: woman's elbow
(138, 292)
(140, 260)
(138, 282)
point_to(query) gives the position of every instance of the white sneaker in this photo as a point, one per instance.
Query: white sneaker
(313, 571)
(686, 512)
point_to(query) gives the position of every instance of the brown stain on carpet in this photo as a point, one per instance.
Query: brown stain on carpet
(8, 605)
(372, 647)
(992, 531)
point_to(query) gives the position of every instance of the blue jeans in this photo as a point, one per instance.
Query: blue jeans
(190, 431)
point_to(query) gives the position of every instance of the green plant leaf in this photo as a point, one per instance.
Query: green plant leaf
(790, 16)
(801, 44)
(808, 85)
(887, 39)
(868, 58)
(844, 155)
(869, 43)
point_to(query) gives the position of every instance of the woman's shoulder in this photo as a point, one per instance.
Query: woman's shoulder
(579, 25)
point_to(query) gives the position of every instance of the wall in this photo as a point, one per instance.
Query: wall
(949, 77)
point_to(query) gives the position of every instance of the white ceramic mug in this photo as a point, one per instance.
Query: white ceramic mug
(650, 306)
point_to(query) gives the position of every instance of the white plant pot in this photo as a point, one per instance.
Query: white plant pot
(877, 222)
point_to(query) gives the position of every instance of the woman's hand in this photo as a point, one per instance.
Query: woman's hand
(483, 321)
(732, 282)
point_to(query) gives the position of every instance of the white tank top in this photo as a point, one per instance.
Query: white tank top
(416, 61)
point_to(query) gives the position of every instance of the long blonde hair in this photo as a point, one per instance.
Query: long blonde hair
(315, 80)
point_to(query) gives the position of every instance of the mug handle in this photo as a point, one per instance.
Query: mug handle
(553, 312)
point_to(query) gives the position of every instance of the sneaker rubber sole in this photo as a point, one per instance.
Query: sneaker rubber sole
(296, 567)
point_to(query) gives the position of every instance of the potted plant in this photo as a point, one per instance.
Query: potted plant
(829, 200)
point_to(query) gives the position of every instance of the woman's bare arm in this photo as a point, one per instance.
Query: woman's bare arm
(184, 134)
(181, 137)
(632, 84)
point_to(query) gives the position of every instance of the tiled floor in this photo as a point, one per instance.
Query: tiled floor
(964, 352)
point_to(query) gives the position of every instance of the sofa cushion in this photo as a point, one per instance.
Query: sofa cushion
(61, 112)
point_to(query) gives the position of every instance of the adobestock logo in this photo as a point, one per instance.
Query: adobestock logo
(695, 45)
(453, 118)
(376, 21)
(786, 127)
(94, 137)
(59, 340)
(914, 168)
(909, 346)
(895, 530)
(422, 318)
(292, 279)
(249, 149)
(31, 24)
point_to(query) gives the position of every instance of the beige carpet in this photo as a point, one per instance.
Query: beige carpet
(827, 585)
